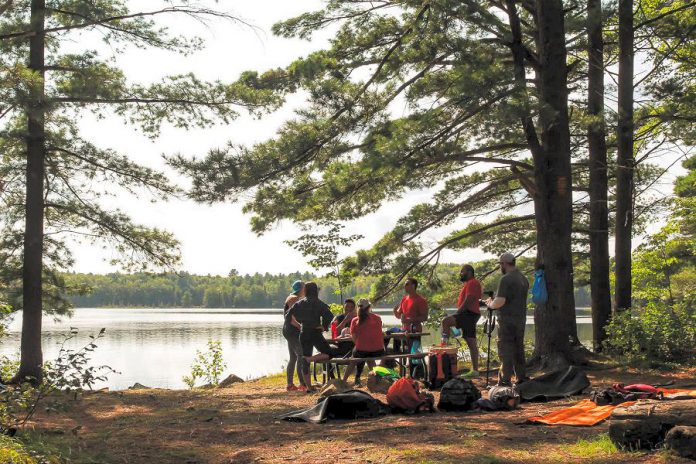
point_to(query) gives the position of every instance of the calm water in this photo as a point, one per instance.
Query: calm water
(156, 346)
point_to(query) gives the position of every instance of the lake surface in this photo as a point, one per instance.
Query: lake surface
(157, 346)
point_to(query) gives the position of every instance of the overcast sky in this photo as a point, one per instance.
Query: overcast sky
(215, 239)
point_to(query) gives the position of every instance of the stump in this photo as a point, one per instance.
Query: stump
(646, 423)
(682, 440)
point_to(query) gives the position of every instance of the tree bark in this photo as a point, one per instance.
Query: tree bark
(625, 160)
(555, 321)
(556, 329)
(600, 287)
(31, 358)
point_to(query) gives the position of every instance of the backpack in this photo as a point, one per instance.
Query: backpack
(539, 294)
(507, 398)
(405, 396)
(442, 367)
(458, 395)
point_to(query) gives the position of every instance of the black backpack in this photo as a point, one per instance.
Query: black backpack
(449, 369)
(458, 395)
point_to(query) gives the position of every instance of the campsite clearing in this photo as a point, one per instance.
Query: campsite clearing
(238, 424)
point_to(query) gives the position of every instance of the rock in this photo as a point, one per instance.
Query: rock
(230, 380)
(645, 424)
(139, 386)
(334, 386)
(377, 383)
(682, 440)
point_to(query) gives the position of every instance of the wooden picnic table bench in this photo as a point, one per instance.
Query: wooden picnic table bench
(400, 358)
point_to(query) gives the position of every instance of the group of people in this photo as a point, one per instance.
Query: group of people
(359, 331)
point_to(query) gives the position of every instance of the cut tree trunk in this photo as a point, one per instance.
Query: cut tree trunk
(556, 329)
(31, 358)
(625, 160)
(646, 423)
(600, 288)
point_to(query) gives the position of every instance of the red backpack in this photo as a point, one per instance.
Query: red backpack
(405, 395)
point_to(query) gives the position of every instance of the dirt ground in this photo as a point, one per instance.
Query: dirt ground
(238, 425)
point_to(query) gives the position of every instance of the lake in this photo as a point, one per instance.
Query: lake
(157, 346)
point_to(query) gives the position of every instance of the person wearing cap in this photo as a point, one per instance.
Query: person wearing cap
(467, 315)
(510, 303)
(291, 332)
(366, 332)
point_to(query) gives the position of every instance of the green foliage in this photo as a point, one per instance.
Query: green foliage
(663, 328)
(82, 178)
(12, 451)
(656, 333)
(208, 365)
(456, 140)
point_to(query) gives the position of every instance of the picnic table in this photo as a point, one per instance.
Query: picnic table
(401, 357)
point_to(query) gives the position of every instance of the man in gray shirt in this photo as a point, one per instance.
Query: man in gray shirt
(511, 303)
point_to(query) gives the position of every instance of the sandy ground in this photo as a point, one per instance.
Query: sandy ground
(238, 424)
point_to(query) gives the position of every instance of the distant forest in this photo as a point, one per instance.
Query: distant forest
(234, 291)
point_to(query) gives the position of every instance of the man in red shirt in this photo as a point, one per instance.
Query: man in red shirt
(413, 309)
(467, 315)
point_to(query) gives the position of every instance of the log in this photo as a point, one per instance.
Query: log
(646, 423)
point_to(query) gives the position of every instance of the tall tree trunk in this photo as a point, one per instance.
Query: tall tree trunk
(555, 323)
(624, 175)
(600, 287)
(556, 328)
(31, 354)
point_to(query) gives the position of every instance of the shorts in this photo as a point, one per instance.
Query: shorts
(466, 321)
(368, 354)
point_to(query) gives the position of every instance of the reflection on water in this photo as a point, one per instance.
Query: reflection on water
(156, 346)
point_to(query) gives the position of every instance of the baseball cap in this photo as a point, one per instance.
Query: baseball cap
(297, 286)
(364, 302)
(507, 258)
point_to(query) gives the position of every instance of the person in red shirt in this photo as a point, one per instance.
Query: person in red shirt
(366, 332)
(412, 309)
(467, 315)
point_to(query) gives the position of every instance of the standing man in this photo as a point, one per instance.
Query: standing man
(511, 303)
(412, 309)
(467, 315)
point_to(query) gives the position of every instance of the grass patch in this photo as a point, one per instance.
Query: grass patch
(600, 446)
(271, 380)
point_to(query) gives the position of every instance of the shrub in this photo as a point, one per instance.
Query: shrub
(659, 332)
(208, 365)
(69, 372)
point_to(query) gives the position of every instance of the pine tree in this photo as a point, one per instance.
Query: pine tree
(43, 91)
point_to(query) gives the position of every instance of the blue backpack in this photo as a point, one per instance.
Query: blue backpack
(539, 294)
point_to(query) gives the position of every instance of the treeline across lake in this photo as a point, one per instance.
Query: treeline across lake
(233, 291)
(189, 290)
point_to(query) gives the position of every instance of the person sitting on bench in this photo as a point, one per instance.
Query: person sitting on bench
(314, 317)
(366, 331)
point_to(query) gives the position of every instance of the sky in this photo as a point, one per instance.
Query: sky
(215, 239)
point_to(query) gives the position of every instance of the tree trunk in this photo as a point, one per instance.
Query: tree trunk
(555, 322)
(556, 328)
(31, 355)
(624, 174)
(600, 288)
